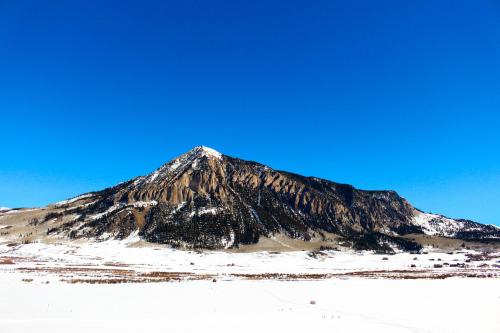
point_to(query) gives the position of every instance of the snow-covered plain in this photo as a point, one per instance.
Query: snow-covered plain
(127, 286)
(351, 305)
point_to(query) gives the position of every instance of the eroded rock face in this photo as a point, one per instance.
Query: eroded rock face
(206, 199)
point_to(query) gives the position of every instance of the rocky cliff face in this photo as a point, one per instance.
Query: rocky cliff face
(206, 199)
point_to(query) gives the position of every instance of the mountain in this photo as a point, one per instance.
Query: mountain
(209, 200)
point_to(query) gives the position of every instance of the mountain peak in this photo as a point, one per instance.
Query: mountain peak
(206, 151)
(184, 161)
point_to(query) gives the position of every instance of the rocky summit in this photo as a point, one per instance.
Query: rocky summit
(204, 199)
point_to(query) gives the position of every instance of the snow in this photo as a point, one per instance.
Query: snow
(108, 211)
(227, 243)
(176, 164)
(209, 152)
(422, 219)
(64, 202)
(345, 304)
(215, 262)
(194, 165)
(4, 208)
(179, 207)
(203, 306)
(434, 224)
(153, 176)
(351, 305)
(20, 210)
(145, 203)
(204, 210)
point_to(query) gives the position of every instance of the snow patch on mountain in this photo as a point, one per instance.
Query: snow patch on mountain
(108, 211)
(80, 197)
(205, 210)
(154, 176)
(19, 211)
(228, 242)
(144, 204)
(179, 207)
(209, 152)
(433, 224)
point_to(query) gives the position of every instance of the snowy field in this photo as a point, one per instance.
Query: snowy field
(115, 287)
(351, 305)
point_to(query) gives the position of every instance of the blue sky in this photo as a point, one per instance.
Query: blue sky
(401, 95)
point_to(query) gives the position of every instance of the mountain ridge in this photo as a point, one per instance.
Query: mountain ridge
(205, 199)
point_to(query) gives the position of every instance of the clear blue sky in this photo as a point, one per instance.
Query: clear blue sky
(401, 95)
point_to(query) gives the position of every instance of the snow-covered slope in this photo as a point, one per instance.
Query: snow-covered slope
(434, 224)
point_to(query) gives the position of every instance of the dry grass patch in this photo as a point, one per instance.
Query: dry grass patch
(6, 261)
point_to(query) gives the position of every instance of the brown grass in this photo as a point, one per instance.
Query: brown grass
(146, 277)
(6, 261)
